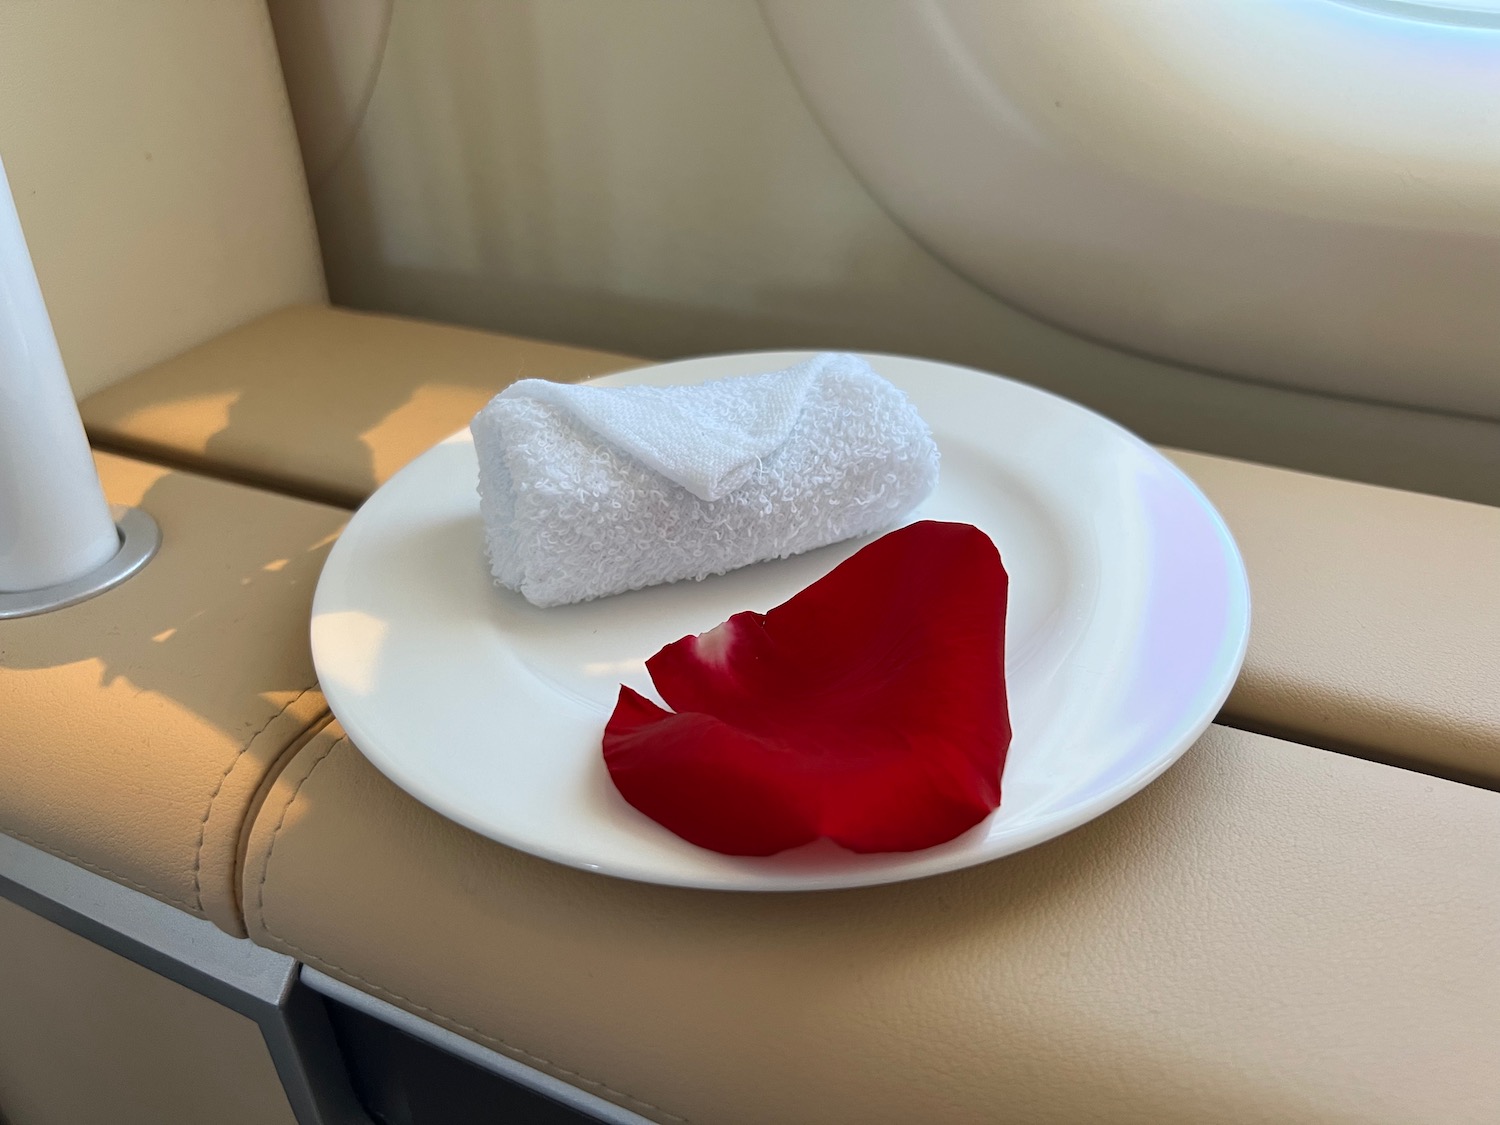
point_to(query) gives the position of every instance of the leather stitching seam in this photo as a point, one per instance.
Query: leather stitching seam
(223, 777)
(449, 1021)
(99, 869)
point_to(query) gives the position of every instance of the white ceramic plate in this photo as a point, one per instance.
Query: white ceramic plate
(1129, 614)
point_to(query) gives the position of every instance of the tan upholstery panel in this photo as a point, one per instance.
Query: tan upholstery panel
(155, 167)
(89, 1038)
(370, 393)
(1269, 933)
(137, 728)
(1376, 616)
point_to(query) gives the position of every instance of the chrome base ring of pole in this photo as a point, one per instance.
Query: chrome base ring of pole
(139, 540)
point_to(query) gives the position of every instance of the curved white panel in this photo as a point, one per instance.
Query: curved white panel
(1297, 191)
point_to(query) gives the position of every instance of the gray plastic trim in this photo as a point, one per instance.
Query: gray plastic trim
(471, 1052)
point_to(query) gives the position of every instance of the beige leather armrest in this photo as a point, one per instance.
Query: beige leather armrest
(320, 402)
(1375, 616)
(1267, 934)
(137, 728)
(1376, 612)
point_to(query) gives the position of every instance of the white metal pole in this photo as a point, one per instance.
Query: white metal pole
(55, 525)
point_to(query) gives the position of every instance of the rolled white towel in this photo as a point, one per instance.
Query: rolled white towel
(589, 491)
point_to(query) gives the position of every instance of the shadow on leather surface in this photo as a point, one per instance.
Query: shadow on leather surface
(138, 726)
(215, 600)
(320, 403)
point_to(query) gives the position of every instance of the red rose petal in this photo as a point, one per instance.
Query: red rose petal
(870, 708)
